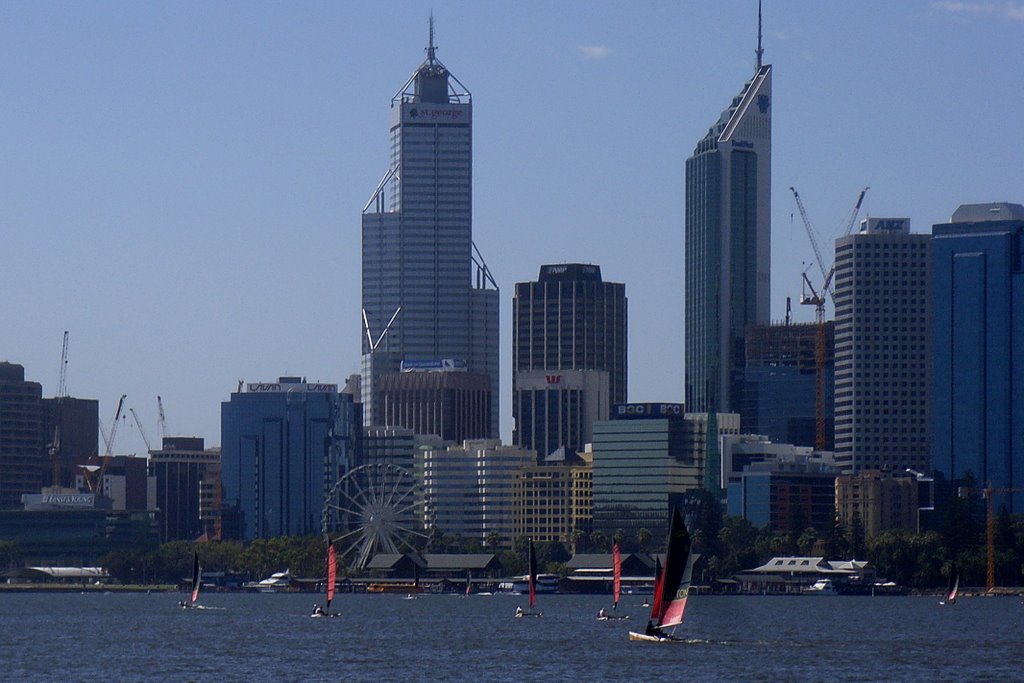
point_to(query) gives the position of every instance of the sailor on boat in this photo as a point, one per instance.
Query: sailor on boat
(317, 609)
(653, 630)
(519, 611)
(601, 614)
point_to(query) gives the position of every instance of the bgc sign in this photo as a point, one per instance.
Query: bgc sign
(649, 411)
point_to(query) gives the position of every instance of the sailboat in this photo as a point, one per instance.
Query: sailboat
(532, 581)
(954, 586)
(616, 586)
(416, 590)
(332, 575)
(197, 582)
(469, 584)
(671, 587)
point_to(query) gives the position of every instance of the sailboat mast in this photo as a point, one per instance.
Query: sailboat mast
(616, 574)
(532, 560)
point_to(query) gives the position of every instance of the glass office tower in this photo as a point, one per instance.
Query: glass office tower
(977, 331)
(283, 445)
(426, 292)
(727, 245)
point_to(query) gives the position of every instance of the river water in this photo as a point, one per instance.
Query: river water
(126, 637)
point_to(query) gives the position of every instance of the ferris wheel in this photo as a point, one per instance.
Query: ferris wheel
(370, 510)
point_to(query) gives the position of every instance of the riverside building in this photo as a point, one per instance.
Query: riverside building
(427, 293)
(283, 446)
(646, 459)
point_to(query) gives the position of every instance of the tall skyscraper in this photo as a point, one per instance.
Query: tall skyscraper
(978, 329)
(881, 348)
(727, 243)
(568, 320)
(427, 293)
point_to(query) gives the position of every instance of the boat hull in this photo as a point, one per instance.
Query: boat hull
(643, 637)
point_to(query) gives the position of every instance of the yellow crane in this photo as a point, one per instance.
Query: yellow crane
(816, 298)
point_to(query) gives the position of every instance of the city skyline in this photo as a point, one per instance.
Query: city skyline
(182, 184)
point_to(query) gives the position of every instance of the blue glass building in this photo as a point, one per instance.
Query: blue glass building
(978, 323)
(727, 237)
(283, 445)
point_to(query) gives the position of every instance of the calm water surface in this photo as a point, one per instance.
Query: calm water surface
(101, 637)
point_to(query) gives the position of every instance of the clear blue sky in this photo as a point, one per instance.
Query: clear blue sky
(181, 183)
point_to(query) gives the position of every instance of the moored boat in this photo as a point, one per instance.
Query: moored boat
(821, 587)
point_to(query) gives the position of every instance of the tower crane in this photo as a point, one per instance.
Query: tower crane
(817, 299)
(58, 416)
(163, 420)
(990, 528)
(142, 431)
(94, 474)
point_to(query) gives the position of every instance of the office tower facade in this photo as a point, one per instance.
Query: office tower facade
(79, 435)
(978, 329)
(187, 481)
(283, 446)
(21, 436)
(570, 319)
(427, 294)
(467, 490)
(779, 383)
(555, 410)
(727, 245)
(648, 459)
(882, 348)
(454, 405)
(786, 496)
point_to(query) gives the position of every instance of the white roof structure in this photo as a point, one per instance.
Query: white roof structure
(72, 572)
(807, 565)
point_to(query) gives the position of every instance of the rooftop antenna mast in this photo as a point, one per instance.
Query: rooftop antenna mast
(430, 45)
(760, 51)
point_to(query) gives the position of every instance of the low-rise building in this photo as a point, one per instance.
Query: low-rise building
(881, 500)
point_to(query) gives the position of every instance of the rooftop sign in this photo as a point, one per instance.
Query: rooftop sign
(640, 411)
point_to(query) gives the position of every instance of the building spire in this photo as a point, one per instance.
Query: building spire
(430, 45)
(760, 51)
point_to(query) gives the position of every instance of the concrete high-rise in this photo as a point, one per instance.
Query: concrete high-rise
(881, 348)
(427, 294)
(978, 330)
(565, 324)
(727, 244)
(21, 436)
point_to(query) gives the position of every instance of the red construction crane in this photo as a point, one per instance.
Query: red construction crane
(817, 299)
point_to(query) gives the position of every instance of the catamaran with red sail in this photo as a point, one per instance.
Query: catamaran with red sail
(332, 575)
(616, 586)
(531, 580)
(197, 582)
(671, 586)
